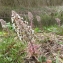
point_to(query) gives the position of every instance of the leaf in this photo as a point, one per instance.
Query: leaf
(57, 58)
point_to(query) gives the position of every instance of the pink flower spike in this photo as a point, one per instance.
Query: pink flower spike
(33, 49)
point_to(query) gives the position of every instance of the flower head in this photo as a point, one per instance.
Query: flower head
(33, 49)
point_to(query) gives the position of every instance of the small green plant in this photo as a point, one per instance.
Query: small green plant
(11, 50)
(42, 59)
(51, 28)
(55, 29)
(37, 29)
(60, 43)
(53, 61)
(9, 26)
(1, 33)
(57, 58)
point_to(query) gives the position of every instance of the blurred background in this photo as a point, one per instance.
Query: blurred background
(48, 10)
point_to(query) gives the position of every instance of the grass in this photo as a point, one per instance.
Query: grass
(37, 30)
(11, 50)
(55, 29)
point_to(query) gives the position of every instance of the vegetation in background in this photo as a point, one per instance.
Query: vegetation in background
(55, 29)
(31, 3)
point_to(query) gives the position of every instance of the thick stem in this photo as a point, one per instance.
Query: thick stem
(32, 47)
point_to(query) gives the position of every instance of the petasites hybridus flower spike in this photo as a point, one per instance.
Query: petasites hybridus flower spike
(25, 32)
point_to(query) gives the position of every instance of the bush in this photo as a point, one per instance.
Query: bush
(5, 13)
(47, 20)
